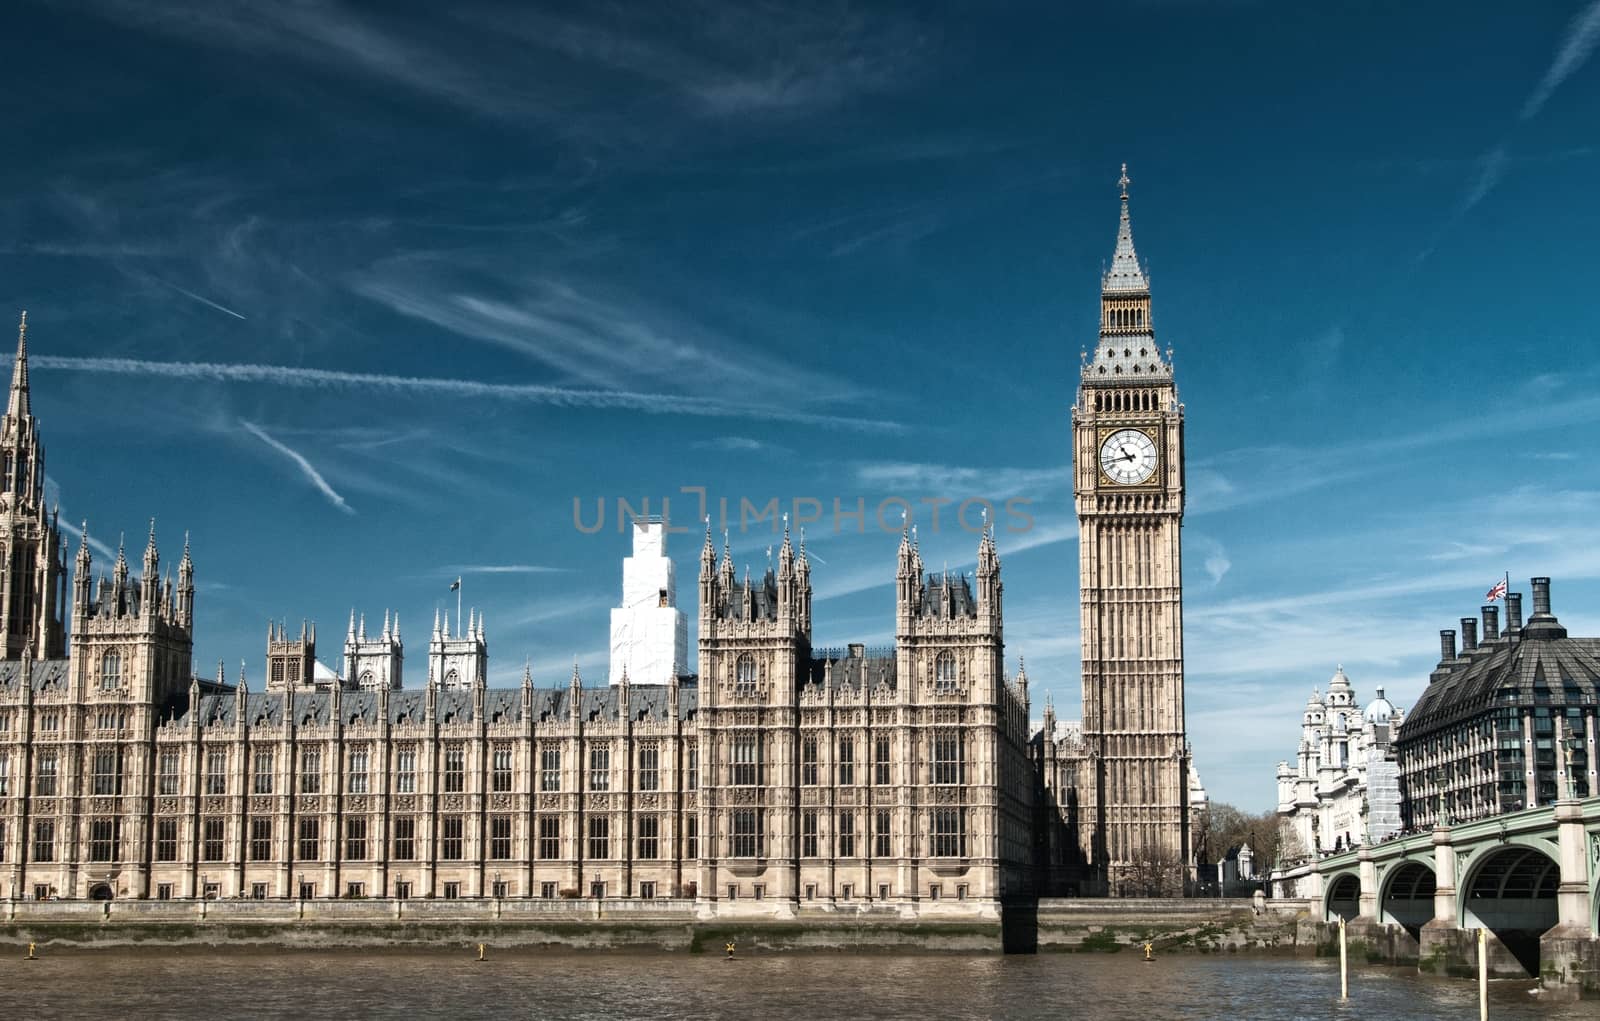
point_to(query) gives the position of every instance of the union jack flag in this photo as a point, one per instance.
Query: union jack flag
(1497, 592)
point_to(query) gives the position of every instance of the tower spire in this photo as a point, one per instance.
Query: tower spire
(1127, 352)
(19, 406)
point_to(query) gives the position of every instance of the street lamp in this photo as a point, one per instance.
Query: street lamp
(1571, 744)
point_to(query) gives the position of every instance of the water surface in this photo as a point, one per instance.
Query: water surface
(447, 982)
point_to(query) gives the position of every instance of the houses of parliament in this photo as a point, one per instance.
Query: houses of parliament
(775, 776)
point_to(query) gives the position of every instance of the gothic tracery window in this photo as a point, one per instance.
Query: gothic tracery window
(744, 685)
(944, 672)
(110, 671)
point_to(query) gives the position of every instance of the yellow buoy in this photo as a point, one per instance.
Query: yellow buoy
(31, 955)
(481, 950)
(1149, 952)
(729, 949)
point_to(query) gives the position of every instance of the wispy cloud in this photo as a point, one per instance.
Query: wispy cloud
(1491, 168)
(202, 300)
(600, 335)
(1213, 556)
(99, 547)
(312, 475)
(1582, 36)
(503, 569)
(740, 445)
(377, 383)
(738, 60)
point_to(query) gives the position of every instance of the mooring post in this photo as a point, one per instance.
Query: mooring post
(1344, 966)
(1483, 975)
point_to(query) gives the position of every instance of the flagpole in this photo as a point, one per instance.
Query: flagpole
(458, 601)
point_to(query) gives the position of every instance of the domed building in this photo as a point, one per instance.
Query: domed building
(1343, 788)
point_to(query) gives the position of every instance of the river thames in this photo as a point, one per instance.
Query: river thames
(203, 983)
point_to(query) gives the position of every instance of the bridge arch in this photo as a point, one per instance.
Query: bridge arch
(1344, 897)
(1510, 890)
(1406, 896)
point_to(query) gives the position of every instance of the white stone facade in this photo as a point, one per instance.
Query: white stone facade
(1343, 788)
(649, 634)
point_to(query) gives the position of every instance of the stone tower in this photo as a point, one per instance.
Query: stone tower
(1128, 485)
(755, 646)
(457, 660)
(291, 661)
(373, 664)
(32, 564)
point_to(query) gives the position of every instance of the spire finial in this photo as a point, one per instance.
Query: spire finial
(19, 373)
(1122, 182)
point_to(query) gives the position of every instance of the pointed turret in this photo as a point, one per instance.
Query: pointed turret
(19, 406)
(575, 692)
(82, 575)
(119, 576)
(150, 583)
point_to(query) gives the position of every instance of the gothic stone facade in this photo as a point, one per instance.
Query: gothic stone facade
(898, 778)
(784, 776)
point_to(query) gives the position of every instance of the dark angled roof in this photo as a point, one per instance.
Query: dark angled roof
(851, 668)
(1538, 666)
(500, 705)
(763, 591)
(956, 602)
(47, 674)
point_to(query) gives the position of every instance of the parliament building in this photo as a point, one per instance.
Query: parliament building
(775, 776)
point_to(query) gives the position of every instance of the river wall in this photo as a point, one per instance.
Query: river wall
(673, 925)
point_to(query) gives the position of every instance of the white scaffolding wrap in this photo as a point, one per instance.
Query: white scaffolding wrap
(649, 635)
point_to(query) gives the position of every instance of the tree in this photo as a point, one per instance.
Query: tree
(1224, 827)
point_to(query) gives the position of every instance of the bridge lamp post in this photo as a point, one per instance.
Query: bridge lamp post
(1570, 744)
(1436, 774)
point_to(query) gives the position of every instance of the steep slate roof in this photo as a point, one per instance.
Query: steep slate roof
(851, 671)
(962, 603)
(504, 705)
(765, 592)
(46, 674)
(1539, 666)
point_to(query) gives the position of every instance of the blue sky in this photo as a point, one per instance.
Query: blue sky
(363, 298)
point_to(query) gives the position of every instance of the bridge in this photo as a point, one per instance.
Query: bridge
(1530, 878)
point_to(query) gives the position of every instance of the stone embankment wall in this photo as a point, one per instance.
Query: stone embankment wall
(671, 925)
(1207, 926)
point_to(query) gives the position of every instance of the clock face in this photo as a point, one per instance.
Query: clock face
(1128, 457)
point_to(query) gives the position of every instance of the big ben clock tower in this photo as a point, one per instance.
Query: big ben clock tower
(1127, 435)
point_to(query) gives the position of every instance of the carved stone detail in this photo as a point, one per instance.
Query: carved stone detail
(167, 806)
(215, 806)
(452, 802)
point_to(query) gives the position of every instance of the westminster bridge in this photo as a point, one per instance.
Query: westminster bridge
(1530, 878)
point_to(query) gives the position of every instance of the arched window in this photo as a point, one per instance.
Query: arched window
(944, 672)
(111, 671)
(452, 679)
(744, 682)
(366, 679)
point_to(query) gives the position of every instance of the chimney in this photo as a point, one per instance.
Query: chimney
(1447, 645)
(1513, 612)
(1541, 597)
(1491, 624)
(1469, 634)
